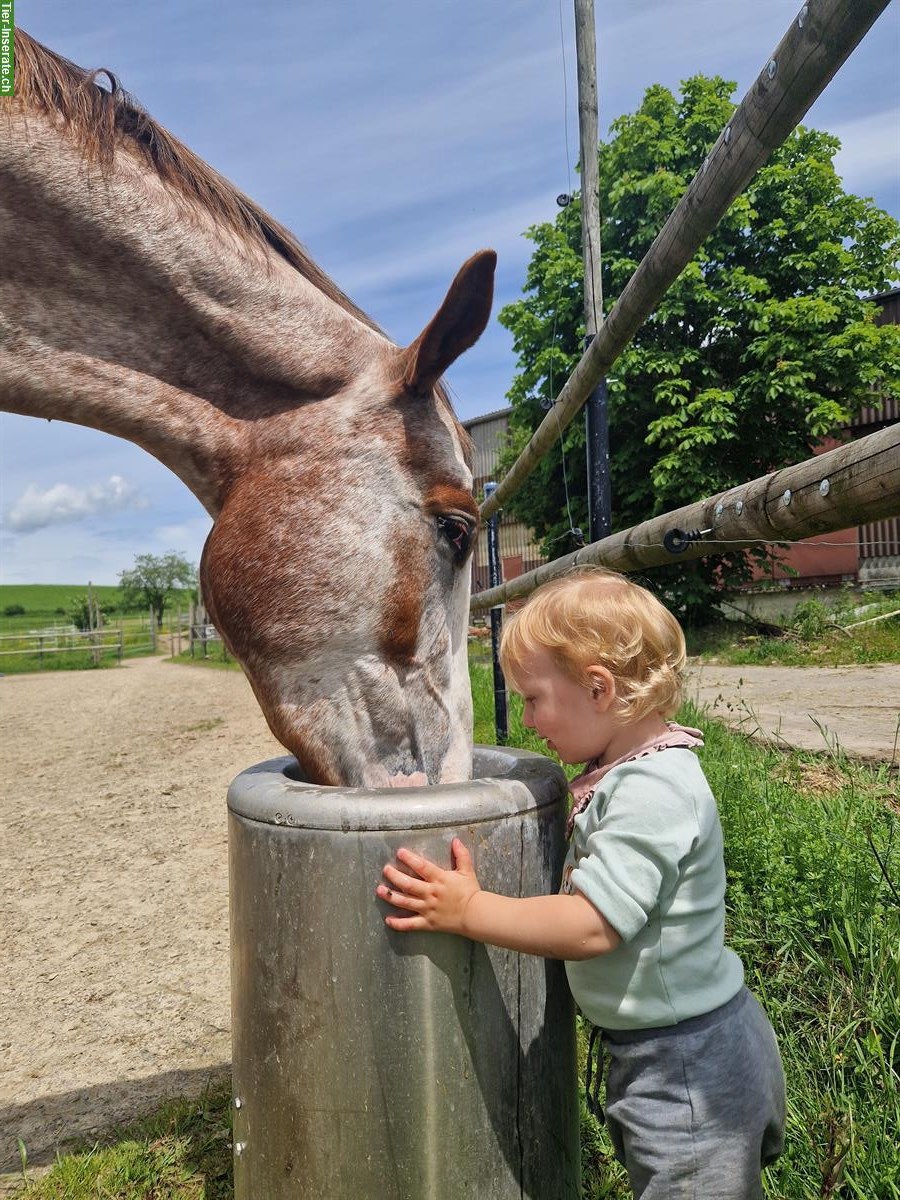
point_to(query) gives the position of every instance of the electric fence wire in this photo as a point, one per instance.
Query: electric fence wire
(744, 542)
(807, 541)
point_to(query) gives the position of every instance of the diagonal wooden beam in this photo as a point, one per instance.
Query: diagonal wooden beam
(820, 38)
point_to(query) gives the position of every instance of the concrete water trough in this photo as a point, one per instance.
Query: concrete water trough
(367, 1062)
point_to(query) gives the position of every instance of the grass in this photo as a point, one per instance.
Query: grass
(812, 852)
(723, 643)
(180, 1152)
(45, 602)
(815, 636)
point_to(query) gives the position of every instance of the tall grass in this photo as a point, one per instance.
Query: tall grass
(812, 853)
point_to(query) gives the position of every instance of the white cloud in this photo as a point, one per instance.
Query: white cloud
(870, 150)
(35, 509)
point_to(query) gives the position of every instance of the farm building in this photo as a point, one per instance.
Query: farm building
(868, 555)
(519, 550)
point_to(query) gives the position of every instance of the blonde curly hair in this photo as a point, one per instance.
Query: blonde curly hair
(596, 617)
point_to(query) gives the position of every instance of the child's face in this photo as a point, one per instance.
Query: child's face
(572, 721)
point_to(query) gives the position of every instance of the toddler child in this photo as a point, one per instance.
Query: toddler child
(695, 1091)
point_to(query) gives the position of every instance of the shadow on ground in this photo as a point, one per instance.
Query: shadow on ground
(68, 1120)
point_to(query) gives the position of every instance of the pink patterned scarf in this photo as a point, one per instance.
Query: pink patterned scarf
(584, 785)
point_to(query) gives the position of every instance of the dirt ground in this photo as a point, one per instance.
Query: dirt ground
(815, 708)
(114, 984)
(113, 871)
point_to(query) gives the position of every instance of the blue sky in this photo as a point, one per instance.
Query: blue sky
(394, 139)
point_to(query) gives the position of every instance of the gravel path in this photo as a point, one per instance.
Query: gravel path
(857, 707)
(114, 891)
(113, 871)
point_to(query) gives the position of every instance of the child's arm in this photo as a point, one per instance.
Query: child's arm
(453, 902)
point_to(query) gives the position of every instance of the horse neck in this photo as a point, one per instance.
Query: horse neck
(123, 309)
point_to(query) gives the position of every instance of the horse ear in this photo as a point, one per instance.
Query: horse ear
(456, 325)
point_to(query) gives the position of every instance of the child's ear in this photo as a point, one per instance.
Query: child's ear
(603, 687)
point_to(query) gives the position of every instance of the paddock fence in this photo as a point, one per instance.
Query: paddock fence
(40, 646)
(62, 647)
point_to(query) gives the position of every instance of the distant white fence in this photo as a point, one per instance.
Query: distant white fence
(65, 640)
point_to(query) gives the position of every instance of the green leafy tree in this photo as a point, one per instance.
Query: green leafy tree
(80, 610)
(153, 578)
(762, 347)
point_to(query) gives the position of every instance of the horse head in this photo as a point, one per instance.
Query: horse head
(329, 458)
(338, 568)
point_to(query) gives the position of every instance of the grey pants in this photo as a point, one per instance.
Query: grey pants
(695, 1110)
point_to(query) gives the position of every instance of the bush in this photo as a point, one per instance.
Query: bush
(80, 612)
(14, 610)
(810, 619)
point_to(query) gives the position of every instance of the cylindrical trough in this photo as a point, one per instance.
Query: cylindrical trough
(403, 1066)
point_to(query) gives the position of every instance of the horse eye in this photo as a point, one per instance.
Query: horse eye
(459, 535)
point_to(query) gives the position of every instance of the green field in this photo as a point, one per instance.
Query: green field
(45, 603)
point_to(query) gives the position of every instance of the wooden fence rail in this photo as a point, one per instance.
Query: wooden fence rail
(851, 485)
(40, 644)
(820, 38)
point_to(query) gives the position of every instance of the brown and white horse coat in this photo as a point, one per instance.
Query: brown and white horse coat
(143, 295)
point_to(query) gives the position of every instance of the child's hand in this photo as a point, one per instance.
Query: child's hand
(436, 899)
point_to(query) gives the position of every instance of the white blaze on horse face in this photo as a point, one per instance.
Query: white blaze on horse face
(457, 763)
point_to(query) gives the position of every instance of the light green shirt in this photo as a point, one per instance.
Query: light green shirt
(647, 853)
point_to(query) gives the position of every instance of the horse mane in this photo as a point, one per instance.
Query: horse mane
(100, 118)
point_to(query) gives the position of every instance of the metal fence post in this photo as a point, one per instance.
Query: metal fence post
(495, 568)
